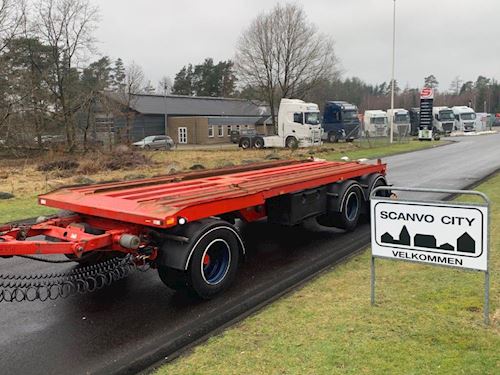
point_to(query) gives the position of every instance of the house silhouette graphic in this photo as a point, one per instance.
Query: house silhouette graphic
(466, 244)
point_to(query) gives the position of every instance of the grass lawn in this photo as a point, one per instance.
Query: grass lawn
(20, 208)
(427, 320)
(24, 180)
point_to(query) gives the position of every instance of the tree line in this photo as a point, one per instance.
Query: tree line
(49, 83)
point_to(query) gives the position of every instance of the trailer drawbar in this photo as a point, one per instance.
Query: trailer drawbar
(182, 225)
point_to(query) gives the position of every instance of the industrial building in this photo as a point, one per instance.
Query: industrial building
(187, 119)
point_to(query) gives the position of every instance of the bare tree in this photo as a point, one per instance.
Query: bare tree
(283, 55)
(164, 86)
(455, 85)
(66, 26)
(134, 84)
(12, 16)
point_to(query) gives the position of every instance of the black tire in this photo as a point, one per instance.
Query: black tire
(350, 208)
(291, 142)
(332, 137)
(245, 143)
(258, 143)
(214, 255)
(174, 279)
(373, 181)
(208, 279)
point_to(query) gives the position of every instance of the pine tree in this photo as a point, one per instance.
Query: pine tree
(118, 75)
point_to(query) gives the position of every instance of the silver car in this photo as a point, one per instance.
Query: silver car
(155, 142)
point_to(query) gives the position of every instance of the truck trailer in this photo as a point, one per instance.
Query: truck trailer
(340, 121)
(186, 225)
(298, 126)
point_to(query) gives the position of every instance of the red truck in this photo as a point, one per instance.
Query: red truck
(184, 225)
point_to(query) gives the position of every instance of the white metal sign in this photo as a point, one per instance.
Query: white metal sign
(448, 234)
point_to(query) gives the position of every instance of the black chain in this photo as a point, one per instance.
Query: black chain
(50, 286)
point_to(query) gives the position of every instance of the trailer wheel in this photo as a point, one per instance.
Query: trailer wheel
(373, 181)
(174, 279)
(258, 143)
(206, 264)
(350, 207)
(214, 263)
(291, 142)
(245, 143)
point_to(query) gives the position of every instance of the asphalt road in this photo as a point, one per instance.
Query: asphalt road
(138, 321)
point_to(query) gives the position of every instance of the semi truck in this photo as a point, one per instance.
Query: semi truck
(298, 126)
(443, 120)
(376, 123)
(400, 118)
(465, 118)
(186, 226)
(340, 121)
(414, 120)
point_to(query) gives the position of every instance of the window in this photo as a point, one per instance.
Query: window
(210, 131)
(298, 117)
(220, 131)
(312, 118)
(229, 130)
(182, 135)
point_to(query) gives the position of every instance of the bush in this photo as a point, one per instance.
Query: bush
(61, 165)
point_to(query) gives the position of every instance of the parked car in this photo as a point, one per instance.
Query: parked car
(155, 142)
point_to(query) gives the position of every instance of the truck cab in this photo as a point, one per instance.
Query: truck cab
(298, 125)
(414, 120)
(443, 119)
(401, 120)
(465, 118)
(376, 123)
(340, 121)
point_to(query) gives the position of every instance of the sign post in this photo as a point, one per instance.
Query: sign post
(426, 103)
(442, 233)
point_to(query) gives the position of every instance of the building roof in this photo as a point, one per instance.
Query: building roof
(180, 105)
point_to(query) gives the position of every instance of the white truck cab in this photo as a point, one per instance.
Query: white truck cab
(298, 126)
(375, 123)
(401, 120)
(465, 118)
(443, 119)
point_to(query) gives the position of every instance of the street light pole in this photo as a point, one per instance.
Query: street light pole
(393, 63)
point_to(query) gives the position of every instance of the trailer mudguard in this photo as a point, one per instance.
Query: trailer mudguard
(177, 253)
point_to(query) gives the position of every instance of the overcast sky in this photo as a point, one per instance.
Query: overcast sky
(441, 37)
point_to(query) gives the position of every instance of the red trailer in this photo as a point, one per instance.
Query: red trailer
(184, 224)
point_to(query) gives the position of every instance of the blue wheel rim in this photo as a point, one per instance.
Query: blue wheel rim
(215, 261)
(352, 206)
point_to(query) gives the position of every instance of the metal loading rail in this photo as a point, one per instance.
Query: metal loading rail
(124, 216)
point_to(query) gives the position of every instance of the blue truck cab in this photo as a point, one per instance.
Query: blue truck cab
(340, 121)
